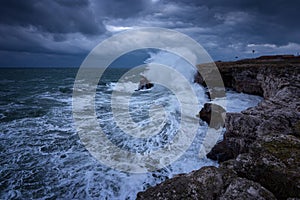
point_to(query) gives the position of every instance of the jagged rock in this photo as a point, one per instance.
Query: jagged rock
(241, 188)
(144, 83)
(240, 133)
(277, 114)
(260, 152)
(213, 115)
(221, 152)
(241, 77)
(260, 77)
(261, 137)
(274, 162)
(207, 183)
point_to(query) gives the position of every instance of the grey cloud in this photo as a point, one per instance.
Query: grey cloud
(51, 16)
(20, 39)
(73, 27)
(120, 8)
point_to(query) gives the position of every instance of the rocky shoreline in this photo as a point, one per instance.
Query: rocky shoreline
(260, 153)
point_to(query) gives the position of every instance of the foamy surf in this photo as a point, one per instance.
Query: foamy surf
(43, 157)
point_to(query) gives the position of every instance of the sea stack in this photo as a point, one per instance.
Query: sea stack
(144, 83)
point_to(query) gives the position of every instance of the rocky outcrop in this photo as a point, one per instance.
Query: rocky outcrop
(254, 76)
(274, 162)
(144, 84)
(278, 113)
(263, 140)
(260, 151)
(213, 115)
(207, 183)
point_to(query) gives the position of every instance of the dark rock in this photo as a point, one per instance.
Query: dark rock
(274, 162)
(213, 115)
(221, 152)
(241, 188)
(207, 183)
(260, 138)
(277, 114)
(246, 81)
(240, 133)
(240, 77)
(260, 77)
(260, 152)
(144, 84)
(199, 79)
(296, 129)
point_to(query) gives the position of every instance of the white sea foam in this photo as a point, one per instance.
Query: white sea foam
(46, 150)
(236, 102)
(180, 65)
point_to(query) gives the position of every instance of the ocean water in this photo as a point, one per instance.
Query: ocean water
(42, 156)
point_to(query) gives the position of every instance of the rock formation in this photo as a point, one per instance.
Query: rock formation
(213, 115)
(207, 183)
(144, 84)
(278, 113)
(260, 153)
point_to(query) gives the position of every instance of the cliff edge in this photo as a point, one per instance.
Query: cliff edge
(260, 153)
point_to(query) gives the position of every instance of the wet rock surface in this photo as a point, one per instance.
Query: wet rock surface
(260, 153)
(213, 115)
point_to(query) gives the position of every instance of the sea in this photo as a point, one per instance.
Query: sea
(43, 157)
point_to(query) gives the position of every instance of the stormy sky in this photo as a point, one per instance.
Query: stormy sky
(58, 33)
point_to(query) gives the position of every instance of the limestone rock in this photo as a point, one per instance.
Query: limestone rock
(274, 162)
(278, 113)
(241, 188)
(260, 151)
(207, 183)
(240, 133)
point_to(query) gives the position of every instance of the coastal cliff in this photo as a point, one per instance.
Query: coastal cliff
(260, 153)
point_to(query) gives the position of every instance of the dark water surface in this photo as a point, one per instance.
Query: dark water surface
(41, 155)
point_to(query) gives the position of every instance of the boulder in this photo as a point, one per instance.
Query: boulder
(207, 183)
(213, 115)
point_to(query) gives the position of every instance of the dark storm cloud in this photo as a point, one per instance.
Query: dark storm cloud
(265, 21)
(34, 27)
(120, 8)
(50, 16)
(74, 27)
